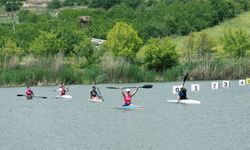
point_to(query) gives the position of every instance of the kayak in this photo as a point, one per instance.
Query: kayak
(96, 100)
(29, 97)
(186, 101)
(131, 106)
(64, 97)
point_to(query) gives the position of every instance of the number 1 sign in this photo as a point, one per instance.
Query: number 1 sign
(195, 87)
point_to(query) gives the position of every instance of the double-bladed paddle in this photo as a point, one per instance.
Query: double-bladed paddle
(146, 86)
(184, 79)
(34, 96)
(99, 92)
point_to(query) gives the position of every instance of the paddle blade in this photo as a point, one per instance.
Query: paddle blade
(147, 86)
(185, 78)
(20, 95)
(42, 97)
(111, 87)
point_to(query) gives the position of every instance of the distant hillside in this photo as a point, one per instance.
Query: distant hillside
(242, 21)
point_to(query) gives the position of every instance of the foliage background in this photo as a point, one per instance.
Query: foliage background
(145, 41)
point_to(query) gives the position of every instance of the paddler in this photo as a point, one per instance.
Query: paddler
(182, 94)
(29, 93)
(93, 93)
(63, 89)
(127, 95)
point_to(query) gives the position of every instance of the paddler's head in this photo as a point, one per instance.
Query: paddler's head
(183, 89)
(127, 90)
(93, 87)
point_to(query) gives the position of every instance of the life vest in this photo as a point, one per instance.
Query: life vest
(127, 99)
(63, 91)
(28, 92)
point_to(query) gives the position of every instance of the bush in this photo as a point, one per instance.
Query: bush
(54, 4)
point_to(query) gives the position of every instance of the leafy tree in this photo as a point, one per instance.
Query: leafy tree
(26, 33)
(85, 49)
(123, 41)
(158, 54)
(245, 4)
(133, 3)
(74, 2)
(70, 37)
(198, 48)
(9, 47)
(12, 5)
(189, 48)
(106, 4)
(236, 43)
(26, 16)
(47, 44)
(54, 4)
(204, 47)
(224, 9)
(8, 50)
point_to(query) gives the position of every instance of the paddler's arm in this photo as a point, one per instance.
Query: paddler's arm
(32, 93)
(97, 94)
(178, 97)
(135, 91)
(122, 91)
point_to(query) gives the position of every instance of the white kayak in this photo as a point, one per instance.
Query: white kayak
(186, 101)
(65, 97)
(96, 100)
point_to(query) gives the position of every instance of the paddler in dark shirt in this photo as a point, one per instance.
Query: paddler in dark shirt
(93, 93)
(182, 95)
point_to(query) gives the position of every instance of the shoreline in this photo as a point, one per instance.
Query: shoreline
(55, 84)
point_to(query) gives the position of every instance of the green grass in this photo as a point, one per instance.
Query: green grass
(8, 19)
(2, 9)
(241, 21)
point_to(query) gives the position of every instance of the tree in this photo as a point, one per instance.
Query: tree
(204, 47)
(12, 5)
(188, 47)
(9, 47)
(54, 4)
(47, 44)
(85, 49)
(224, 9)
(133, 3)
(236, 43)
(8, 50)
(123, 40)
(158, 54)
(104, 3)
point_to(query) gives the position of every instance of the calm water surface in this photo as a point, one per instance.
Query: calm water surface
(221, 122)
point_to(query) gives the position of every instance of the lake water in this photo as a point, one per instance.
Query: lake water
(220, 122)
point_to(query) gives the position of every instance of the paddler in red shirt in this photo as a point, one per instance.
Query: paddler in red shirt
(63, 89)
(29, 93)
(127, 95)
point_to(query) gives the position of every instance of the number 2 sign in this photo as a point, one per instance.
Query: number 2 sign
(215, 85)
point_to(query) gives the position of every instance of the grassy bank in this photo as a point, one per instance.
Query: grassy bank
(51, 71)
(228, 69)
(216, 33)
